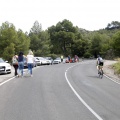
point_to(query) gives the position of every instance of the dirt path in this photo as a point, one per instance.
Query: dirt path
(109, 71)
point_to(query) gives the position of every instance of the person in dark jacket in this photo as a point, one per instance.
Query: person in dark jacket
(15, 63)
(20, 64)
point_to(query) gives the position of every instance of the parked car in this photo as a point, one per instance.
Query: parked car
(50, 60)
(35, 63)
(4, 66)
(44, 61)
(38, 61)
(57, 60)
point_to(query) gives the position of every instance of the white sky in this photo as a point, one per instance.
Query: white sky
(87, 14)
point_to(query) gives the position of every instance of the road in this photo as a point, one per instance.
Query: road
(70, 91)
(4, 77)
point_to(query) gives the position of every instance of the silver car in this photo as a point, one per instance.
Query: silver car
(57, 60)
(44, 61)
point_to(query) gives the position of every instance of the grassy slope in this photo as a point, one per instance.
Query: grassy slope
(116, 67)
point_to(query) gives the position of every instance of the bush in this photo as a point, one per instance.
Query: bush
(116, 67)
(87, 55)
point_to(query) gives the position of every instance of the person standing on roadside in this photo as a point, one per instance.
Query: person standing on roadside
(15, 64)
(61, 58)
(30, 62)
(20, 64)
(69, 58)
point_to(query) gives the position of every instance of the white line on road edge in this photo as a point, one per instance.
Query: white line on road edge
(111, 79)
(6, 81)
(88, 107)
(14, 77)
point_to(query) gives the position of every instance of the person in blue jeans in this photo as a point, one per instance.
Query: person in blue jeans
(30, 62)
(20, 64)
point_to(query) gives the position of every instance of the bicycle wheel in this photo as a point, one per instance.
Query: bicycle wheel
(101, 74)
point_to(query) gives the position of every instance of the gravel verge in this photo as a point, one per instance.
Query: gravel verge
(109, 71)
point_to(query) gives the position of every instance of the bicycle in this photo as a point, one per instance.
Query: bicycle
(100, 72)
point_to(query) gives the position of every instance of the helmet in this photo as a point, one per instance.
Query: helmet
(98, 55)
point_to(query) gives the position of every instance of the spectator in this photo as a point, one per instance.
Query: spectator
(15, 64)
(30, 62)
(20, 64)
(69, 58)
(61, 58)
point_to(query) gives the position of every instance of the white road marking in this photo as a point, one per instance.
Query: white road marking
(6, 81)
(84, 103)
(103, 74)
(14, 77)
(112, 79)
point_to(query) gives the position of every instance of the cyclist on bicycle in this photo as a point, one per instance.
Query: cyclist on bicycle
(99, 63)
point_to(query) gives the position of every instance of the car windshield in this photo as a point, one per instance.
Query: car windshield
(36, 58)
(40, 58)
(1, 60)
(57, 59)
(48, 58)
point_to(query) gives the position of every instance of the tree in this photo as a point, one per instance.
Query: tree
(8, 39)
(62, 36)
(113, 25)
(39, 40)
(9, 52)
(23, 42)
(96, 44)
(12, 41)
(37, 28)
(116, 43)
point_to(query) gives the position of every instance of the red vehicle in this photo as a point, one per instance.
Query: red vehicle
(69, 61)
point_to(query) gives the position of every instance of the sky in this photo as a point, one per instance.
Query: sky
(87, 14)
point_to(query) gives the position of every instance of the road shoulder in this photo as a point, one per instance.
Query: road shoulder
(109, 71)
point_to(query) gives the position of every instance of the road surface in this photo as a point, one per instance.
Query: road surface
(70, 91)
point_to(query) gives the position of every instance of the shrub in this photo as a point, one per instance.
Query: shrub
(87, 55)
(116, 67)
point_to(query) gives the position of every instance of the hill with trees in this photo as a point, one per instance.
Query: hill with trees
(60, 39)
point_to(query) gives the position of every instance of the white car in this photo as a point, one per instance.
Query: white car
(4, 67)
(57, 61)
(50, 60)
(38, 62)
(44, 61)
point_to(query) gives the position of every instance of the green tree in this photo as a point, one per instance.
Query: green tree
(39, 40)
(12, 41)
(116, 43)
(96, 44)
(9, 52)
(23, 42)
(8, 38)
(113, 25)
(62, 36)
(37, 28)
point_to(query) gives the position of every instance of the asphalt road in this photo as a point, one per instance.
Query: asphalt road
(4, 77)
(70, 91)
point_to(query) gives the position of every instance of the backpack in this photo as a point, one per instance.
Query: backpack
(14, 61)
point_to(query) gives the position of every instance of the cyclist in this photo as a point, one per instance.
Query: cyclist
(99, 63)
